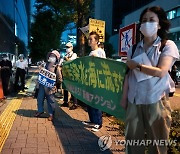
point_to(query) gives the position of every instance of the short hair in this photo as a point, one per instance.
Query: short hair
(95, 34)
(163, 21)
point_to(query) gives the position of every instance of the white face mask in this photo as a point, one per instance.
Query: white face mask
(148, 29)
(68, 50)
(52, 59)
(5, 58)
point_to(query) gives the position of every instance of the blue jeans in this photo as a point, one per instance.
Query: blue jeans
(95, 115)
(50, 100)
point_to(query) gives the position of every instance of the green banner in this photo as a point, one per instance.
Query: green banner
(97, 82)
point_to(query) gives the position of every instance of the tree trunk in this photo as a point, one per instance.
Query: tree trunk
(80, 35)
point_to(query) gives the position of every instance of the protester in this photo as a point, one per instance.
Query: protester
(21, 66)
(70, 55)
(148, 112)
(46, 92)
(95, 115)
(6, 70)
(173, 74)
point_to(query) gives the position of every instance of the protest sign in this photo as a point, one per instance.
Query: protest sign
(47, 78)
(97, 82)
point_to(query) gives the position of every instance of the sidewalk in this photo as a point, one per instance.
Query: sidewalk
(66, 134)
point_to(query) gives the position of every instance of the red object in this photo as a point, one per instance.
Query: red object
(1, 90)
(127, 38)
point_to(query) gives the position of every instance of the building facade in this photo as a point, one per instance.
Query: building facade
(172, 9)
(103, 10)
(14, 26)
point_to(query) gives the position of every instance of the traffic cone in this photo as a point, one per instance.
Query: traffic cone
(1, 91)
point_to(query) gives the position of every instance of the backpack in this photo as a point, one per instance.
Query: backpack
(163, 43)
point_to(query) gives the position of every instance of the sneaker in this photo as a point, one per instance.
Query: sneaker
(87, 122)
(65, 105)
(96, 128)
(73, 107)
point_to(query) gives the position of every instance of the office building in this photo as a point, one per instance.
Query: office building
(172, 9)
(14, 26)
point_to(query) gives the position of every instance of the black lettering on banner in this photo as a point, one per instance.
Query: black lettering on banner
(101, 37)
(47, 74)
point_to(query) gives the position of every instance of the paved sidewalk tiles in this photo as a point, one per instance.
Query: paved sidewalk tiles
(66, 134)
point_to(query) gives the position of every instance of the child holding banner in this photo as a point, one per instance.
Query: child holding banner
(95, 115)
(47, 87)
(148, 116)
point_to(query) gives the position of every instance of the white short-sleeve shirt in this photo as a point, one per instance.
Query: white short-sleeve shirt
(22, 64)
(99, 52)
(153, 89)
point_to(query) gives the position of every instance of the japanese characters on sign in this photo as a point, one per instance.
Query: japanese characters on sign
(47, 78)
(126, 38)
(93, 77)
(97, 82)
(99, 27)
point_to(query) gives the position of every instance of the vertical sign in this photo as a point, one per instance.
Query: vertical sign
(126, 38)
(99, 27)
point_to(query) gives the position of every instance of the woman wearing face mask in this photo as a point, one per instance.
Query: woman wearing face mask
(148, 111)
(53, 58)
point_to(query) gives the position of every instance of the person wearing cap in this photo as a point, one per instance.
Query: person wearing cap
(21, 66)
(48, 93)
(6, 69)
(70, 55)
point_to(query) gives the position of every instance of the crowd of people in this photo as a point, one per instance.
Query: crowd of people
(95, 115)
(6, 72)
(146, 101)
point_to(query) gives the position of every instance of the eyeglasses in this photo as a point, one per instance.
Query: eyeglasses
(68, 47)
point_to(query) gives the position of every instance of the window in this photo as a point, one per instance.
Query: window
(174, 36)
(178, 12)
(173, 13)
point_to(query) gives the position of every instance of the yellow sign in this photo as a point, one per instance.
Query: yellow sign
(99, 27)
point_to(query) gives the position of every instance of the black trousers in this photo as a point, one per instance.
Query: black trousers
(74, 100)
(20, 73)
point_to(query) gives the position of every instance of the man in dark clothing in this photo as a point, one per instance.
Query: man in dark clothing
(173, 74)
(6, 68)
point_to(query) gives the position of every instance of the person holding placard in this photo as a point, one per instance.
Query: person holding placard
(47, 87)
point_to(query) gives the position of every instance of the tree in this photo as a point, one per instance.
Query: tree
(81, 14)
(50, 21)
(51, 18)
(45, 35)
